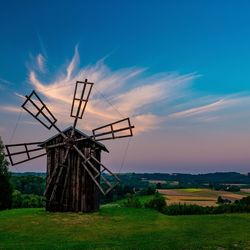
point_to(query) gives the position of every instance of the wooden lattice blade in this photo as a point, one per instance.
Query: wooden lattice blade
(96, 175)
(23, 152)
(37, 109)
(114, 130)
(80, 99)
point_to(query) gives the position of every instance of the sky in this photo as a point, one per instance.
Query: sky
(179, 69)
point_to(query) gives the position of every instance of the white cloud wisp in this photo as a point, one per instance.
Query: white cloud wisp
(150, 101)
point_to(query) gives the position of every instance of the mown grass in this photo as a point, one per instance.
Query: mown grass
(142, 198)
(121, 228)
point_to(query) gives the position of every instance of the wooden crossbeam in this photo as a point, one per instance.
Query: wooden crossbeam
(88, 164)
(26, 152)
(100, 135)
(39, 110)
(83, 100)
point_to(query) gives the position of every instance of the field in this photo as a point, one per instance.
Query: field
(198, 196)
(116, 227)
(246, 190)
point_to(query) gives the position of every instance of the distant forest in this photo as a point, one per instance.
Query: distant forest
(34, 183)
(28, 188)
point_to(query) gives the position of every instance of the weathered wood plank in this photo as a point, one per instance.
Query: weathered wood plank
(71, 186)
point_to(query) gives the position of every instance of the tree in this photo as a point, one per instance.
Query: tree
(5, 186)
(158, 185)
(220, 200)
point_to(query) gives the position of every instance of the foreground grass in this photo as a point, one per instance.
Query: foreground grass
(121, 228)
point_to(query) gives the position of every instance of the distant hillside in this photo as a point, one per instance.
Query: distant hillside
(219, 177)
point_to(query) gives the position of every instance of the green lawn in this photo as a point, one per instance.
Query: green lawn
(121, 228)
(142, 198)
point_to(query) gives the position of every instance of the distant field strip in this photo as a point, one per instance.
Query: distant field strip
(201, 197)
(245, 190)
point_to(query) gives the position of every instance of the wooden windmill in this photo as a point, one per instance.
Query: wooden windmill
(75, 174)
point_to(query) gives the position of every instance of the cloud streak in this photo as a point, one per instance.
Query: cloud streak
(202, 109)
(152, 101)
(40, 60)
(116, 94)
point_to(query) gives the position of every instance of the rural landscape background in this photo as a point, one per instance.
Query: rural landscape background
(180, 70)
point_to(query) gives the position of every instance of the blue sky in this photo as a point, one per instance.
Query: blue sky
(187, 60)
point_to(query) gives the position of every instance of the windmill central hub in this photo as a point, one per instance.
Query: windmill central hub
(69, 142)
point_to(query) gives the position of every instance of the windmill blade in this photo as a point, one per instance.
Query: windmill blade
(37, 108)
(88, 165)
(80, 99)
(103, 169)
(115, 130)
(22, 152)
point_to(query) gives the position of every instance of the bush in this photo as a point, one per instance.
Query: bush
(132, 201)
(16, 199)
(157, 203)
(184, 209)
(147, 191)
(220, 200)
(245, 200)
(20, 200)
(5, 186)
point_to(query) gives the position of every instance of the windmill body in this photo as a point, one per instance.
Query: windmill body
(76, 177)
(75, 190)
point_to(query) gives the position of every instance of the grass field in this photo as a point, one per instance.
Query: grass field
(198, 196)
(121, 228)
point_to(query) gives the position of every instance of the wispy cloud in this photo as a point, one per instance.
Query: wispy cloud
(4, 84)
(126, 91)
(40, 60)
(10, 108)
(150, 100)
(202, 109)
(73, 64)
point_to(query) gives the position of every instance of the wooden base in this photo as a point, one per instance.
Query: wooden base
(70, 186)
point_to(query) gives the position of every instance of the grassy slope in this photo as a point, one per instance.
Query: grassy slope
(121, 228)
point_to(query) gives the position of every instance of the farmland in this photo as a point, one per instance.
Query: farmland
(198, 196)
(117, 227)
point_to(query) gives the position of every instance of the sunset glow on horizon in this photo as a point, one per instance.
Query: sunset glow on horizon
(184, 83)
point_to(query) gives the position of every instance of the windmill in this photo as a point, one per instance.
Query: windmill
(75, 174)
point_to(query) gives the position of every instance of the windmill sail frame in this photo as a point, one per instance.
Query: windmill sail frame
(67, 155)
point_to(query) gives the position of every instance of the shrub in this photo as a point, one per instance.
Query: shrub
(5, 186)
(220, 200)
(245, 200)
(147, 191)
(184, 209)
(16, 199)
(20, 200)
(132, 201)
(158, 203)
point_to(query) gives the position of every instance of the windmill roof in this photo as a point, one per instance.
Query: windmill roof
(80, 133)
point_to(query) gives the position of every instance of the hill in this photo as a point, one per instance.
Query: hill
(121, 228)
